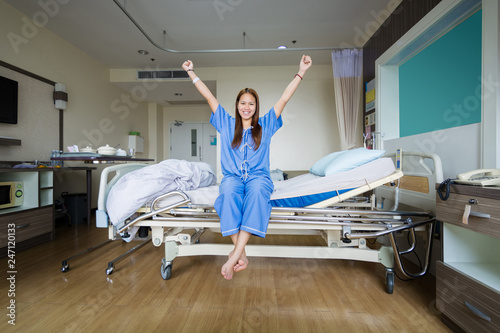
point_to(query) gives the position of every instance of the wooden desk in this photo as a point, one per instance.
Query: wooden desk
(101, 159)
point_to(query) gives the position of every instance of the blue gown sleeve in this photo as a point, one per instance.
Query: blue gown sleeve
(220, 119)
(270, 123)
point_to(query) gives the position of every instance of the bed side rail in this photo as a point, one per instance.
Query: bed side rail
(183, 200)
(119, 171)
(359, 190)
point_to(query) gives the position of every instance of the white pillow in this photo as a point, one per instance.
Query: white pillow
(351, 159)
(319, 167)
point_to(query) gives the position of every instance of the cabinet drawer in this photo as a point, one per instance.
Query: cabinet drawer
(453, 210)
(29, 224)
(468, 303)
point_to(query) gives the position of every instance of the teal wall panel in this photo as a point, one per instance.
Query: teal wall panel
(440, 87)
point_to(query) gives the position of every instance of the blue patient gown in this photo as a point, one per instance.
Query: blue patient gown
(244, 201)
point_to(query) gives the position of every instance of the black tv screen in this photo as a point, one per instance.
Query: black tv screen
(8, 101)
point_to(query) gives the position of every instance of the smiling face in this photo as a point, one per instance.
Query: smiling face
(246, 108)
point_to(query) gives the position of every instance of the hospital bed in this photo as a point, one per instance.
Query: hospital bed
(331, 206)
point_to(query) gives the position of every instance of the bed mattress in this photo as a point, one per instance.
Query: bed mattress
(306, 189)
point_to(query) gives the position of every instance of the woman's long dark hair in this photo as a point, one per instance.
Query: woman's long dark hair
(256, 128)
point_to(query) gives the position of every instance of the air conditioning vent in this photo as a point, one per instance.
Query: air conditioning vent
(162, 74)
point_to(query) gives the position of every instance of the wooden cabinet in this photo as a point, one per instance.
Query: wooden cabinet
(468, 278)
(34, 219)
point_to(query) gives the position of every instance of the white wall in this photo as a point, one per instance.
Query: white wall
(155, 139)
(309, 129)
(198, 113)
(96, 112)
(457, 147)
(100, 113)
(309, 120)
(38, 120)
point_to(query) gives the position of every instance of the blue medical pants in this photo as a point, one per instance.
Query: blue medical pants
(244, 204)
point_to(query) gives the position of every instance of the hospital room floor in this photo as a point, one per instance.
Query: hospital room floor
(271, 295)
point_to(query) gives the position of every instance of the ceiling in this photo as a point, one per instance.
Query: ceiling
(207, 31)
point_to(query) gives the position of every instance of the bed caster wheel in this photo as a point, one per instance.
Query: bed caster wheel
(166, 269)
(389, 277)
(65, 266)
(110, 268)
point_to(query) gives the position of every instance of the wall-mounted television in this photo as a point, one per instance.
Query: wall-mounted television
(8, 100)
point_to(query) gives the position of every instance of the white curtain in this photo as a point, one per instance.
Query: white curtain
(347, 71)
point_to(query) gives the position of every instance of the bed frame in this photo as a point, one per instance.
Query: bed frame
(344, 221)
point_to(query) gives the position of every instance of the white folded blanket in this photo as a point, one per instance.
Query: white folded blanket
(140, 186)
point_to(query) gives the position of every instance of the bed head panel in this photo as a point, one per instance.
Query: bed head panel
(105, 184)
(417, 188)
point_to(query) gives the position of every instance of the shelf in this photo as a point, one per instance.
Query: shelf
(46, 196)
(46, 179)
(10, 142)
(486, 273)
(38, 187)
(473, 254)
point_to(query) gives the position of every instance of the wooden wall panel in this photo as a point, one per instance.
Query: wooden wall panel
(405, 16)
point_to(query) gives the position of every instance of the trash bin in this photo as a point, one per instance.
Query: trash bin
(76, 205)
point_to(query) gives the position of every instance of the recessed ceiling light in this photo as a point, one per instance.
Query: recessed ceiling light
(143, 52)
(282, 47)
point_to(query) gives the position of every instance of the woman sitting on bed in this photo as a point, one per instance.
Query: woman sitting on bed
(244, 204)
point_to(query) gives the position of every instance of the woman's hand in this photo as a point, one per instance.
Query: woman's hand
(305, 63)
(187, 65)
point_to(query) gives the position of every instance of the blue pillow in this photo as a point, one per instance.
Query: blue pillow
(319, 167)
(351, 159)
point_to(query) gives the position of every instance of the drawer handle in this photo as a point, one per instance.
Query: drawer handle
(22, 226)
(469, 212)
(478, 313)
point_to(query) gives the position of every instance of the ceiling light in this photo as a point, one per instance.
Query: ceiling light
(282, 47)
(143, 52)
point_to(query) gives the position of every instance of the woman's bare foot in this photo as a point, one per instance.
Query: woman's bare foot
(242, 263)
(237, 258)
(228, 268)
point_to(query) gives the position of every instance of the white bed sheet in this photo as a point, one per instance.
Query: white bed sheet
(304, 185)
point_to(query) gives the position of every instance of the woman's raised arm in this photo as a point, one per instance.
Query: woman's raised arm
(305, 63)
(202, 88)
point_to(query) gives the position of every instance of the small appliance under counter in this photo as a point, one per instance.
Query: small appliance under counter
(31, 222)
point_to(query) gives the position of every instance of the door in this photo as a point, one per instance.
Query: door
(194, 142)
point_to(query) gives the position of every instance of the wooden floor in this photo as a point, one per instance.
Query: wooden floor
(272, 295)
